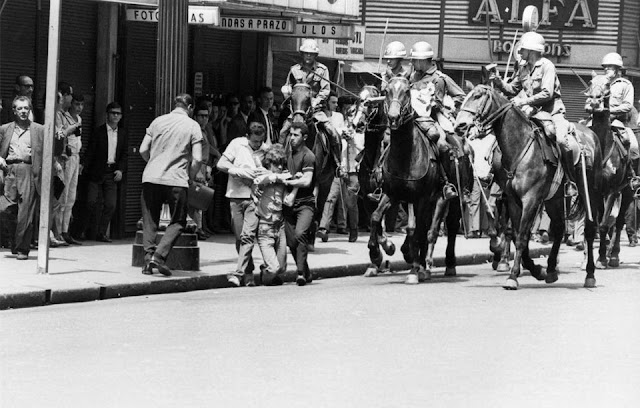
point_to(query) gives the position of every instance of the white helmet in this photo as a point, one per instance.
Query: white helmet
(395, 49)
(612, 58)
(532, 41)
(421, 50)
(309, 45)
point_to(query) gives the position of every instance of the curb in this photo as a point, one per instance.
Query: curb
(32, 296)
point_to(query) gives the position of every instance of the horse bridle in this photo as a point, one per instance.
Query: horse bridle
(406, 110)
(304, 113)
(482, 120)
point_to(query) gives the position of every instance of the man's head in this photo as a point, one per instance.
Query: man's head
(332, 102)
(309, 51)
(22, 107)
(612, 64)
(184, 101)
(274, 158)
(531, 47)
(247, 104)
(422, 56)
(394, 53)
(77, 104)
(298, 134)
(201, 115)
(256, 134)
(114, 113)
(66, 92)
(24, 86)
(265, 98)
(233, 104)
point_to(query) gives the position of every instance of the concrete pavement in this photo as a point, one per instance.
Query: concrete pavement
(97, 271)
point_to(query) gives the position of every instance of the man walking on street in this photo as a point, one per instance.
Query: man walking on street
(172, 148)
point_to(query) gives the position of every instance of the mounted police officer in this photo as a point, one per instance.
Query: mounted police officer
(316, 75)
(437, 125)
(620, 107)
(394, 54)
(538, 79)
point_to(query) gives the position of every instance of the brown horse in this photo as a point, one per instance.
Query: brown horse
(530, 177)
(409, 174)
(616, 163)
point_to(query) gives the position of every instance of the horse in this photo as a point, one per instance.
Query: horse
(533, 178)
(616, 163)
(324, 144)
(409, 174)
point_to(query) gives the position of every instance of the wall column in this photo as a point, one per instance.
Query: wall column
(106, 52)
(171, 60)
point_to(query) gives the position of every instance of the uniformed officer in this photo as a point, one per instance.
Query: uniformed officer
(538, 79)
(620, 106)
(394, 54)
(316, 75)
(438, 127)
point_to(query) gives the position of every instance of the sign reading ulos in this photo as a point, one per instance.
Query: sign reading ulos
(553, 14)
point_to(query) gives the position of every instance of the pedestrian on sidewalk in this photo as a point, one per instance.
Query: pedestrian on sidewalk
(172, 148)
(268, 194)
(242, 160)
(21, 144)
(299, 217)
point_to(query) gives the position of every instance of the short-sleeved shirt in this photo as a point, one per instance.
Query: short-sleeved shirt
(300, 162)
(240, 153)
(541, 85)
(172, 136)
(318, 79)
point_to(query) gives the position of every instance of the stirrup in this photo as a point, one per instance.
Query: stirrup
(449, 191)
(634, 183)
(376, 195)
(570, 189)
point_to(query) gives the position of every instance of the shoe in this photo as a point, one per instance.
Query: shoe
(342, 231)
(570, 242)
(69, 239)
(633, 241)
(22, 256)
(322, 234)
(103, 238)
(54, 243)
(301, 281)
(353, 235)
(147, 269)
(375, 196)
(276, 281)
(61, 241)
(201, 235)
(449, 191)
(579, 246)
(248, 280)
(233, 280)
(159, 264)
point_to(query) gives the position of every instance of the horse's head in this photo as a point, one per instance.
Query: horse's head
(474, 110)
(397, 103)
(598, 93)
(300, 102)
(368, 105)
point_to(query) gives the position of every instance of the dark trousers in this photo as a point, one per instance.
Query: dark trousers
(153, 196)
(20, 193)
(298, 221)
(102, 197)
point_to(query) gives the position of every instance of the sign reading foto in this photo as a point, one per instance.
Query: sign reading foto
(261, 24)
(197, 15)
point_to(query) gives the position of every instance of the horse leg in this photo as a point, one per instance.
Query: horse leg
(376, 231)
(409, 248)
(453, 224)
(424, 213)
(522, 220)
(602, 263)
(627, 199)
(555, 211)
(432, 234)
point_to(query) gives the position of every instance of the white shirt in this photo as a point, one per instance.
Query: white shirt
(267, 140)
(112, 138)
(481, 149)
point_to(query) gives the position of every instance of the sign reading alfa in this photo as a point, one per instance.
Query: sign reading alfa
(554, 14)
(324, 30)
(261, 24)
(197, 15)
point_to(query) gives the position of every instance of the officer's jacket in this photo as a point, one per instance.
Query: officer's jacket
(319, 79)
(388, 74)
(540, 84)
(621, 99)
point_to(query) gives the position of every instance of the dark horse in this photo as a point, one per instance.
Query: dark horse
(324, 144)
(409, 174)
(530, 177)
(616, 163)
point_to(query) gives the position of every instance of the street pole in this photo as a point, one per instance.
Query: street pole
(49, 134)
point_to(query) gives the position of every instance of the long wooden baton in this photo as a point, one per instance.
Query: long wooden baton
(586, 185)
(384, 37)
(513, 46)
(484, 196)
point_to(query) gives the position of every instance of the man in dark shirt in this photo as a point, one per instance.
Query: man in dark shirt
(299, 217)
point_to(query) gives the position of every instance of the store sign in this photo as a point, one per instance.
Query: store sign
(551, 49)
(553, 14)
(349, 8)
(324, 30)
(260, 24)
(346, 50)
(197, 15)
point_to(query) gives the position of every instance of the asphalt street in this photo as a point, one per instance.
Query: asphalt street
(348, 342)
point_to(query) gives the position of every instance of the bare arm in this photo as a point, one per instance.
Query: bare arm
(196, 159)
(304, 181)
(145, 147)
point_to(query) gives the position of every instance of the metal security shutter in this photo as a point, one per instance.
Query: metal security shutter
(573, 97)
(138, 108)
(217, 55)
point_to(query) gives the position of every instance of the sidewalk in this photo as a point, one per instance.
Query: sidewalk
(96, 271)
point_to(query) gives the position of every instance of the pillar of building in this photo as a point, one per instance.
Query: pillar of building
(171, 59)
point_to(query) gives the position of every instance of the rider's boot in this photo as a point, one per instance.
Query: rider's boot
(448, 190)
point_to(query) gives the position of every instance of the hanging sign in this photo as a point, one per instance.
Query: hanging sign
(260, 24)
(197, 15)
(324, 30)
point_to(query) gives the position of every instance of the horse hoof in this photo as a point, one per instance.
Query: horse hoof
(450, 271)
(551, 277)
(494, 264)
(390, 249)
(424, 274)
(590, 283)
(411, 279)
(386, 267)
(538, 273)
(614, 262)
(511, 284)
(503, 267)
(601, 265)
(371, 272)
